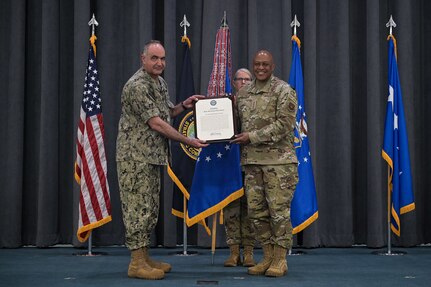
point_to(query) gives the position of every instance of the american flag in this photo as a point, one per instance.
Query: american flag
(90, 166)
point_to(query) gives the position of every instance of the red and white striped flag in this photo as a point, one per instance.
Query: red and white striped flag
(90, 165)
(222, 58)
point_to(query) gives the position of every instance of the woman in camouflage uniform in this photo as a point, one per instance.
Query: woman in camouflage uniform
(238, 228)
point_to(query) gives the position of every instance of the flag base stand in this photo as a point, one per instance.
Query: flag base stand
(90, 254)
(187, 253)
(389, 253)
(296, 252)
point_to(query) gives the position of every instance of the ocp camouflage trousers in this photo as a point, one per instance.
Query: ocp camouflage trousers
(237, 223)
(269, 195)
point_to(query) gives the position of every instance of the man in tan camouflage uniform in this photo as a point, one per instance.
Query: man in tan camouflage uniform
(142, 149)
(236, 221)
(267, 109)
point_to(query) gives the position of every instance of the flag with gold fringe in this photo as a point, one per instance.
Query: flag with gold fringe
(91, 166)
(217, 180)
(395, 149)
(184, 156)
(304, 203)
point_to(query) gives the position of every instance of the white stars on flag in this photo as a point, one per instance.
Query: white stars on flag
(91, 102)
(218, 155)
(391, 99)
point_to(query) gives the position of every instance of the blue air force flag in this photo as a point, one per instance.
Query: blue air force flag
(395, 146)
(304, 203)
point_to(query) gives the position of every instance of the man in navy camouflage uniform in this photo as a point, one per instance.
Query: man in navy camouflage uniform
(142, 149)
(267, 111)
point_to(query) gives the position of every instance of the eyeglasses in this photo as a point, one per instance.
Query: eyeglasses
(242, 79)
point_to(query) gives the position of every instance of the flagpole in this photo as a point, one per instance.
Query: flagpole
(90, 239)
(389, 252)
(185, 252)
(91, 23)
(390, 24)
(90, 252)
(217, 190)
(213, 239)
(214, 226)
(184, 23)
(295, 23)
(184, 226)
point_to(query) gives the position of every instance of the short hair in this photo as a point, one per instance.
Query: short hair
(244, 70)
(263, 52)
(148, 44)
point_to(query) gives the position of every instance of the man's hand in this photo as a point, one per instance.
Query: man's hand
(242, 138)
(197, 143)
(188, 103)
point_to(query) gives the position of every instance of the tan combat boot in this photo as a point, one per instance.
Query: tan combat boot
(234, 259)
(139, 268)
(264, 264)
(279, 264)
(248, 256)
(166, 267)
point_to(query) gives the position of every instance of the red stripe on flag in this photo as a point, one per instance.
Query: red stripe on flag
(105, 190)
(94, 163)
(217, 83)
(84, 215)
(90, 190)
(81, 127)
(98, 149)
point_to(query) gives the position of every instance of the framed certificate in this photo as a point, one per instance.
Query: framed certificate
(214, 119)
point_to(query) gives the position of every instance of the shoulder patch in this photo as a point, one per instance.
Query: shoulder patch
(291, 107)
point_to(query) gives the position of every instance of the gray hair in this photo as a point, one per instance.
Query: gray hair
(148, 44)
(244, 70)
